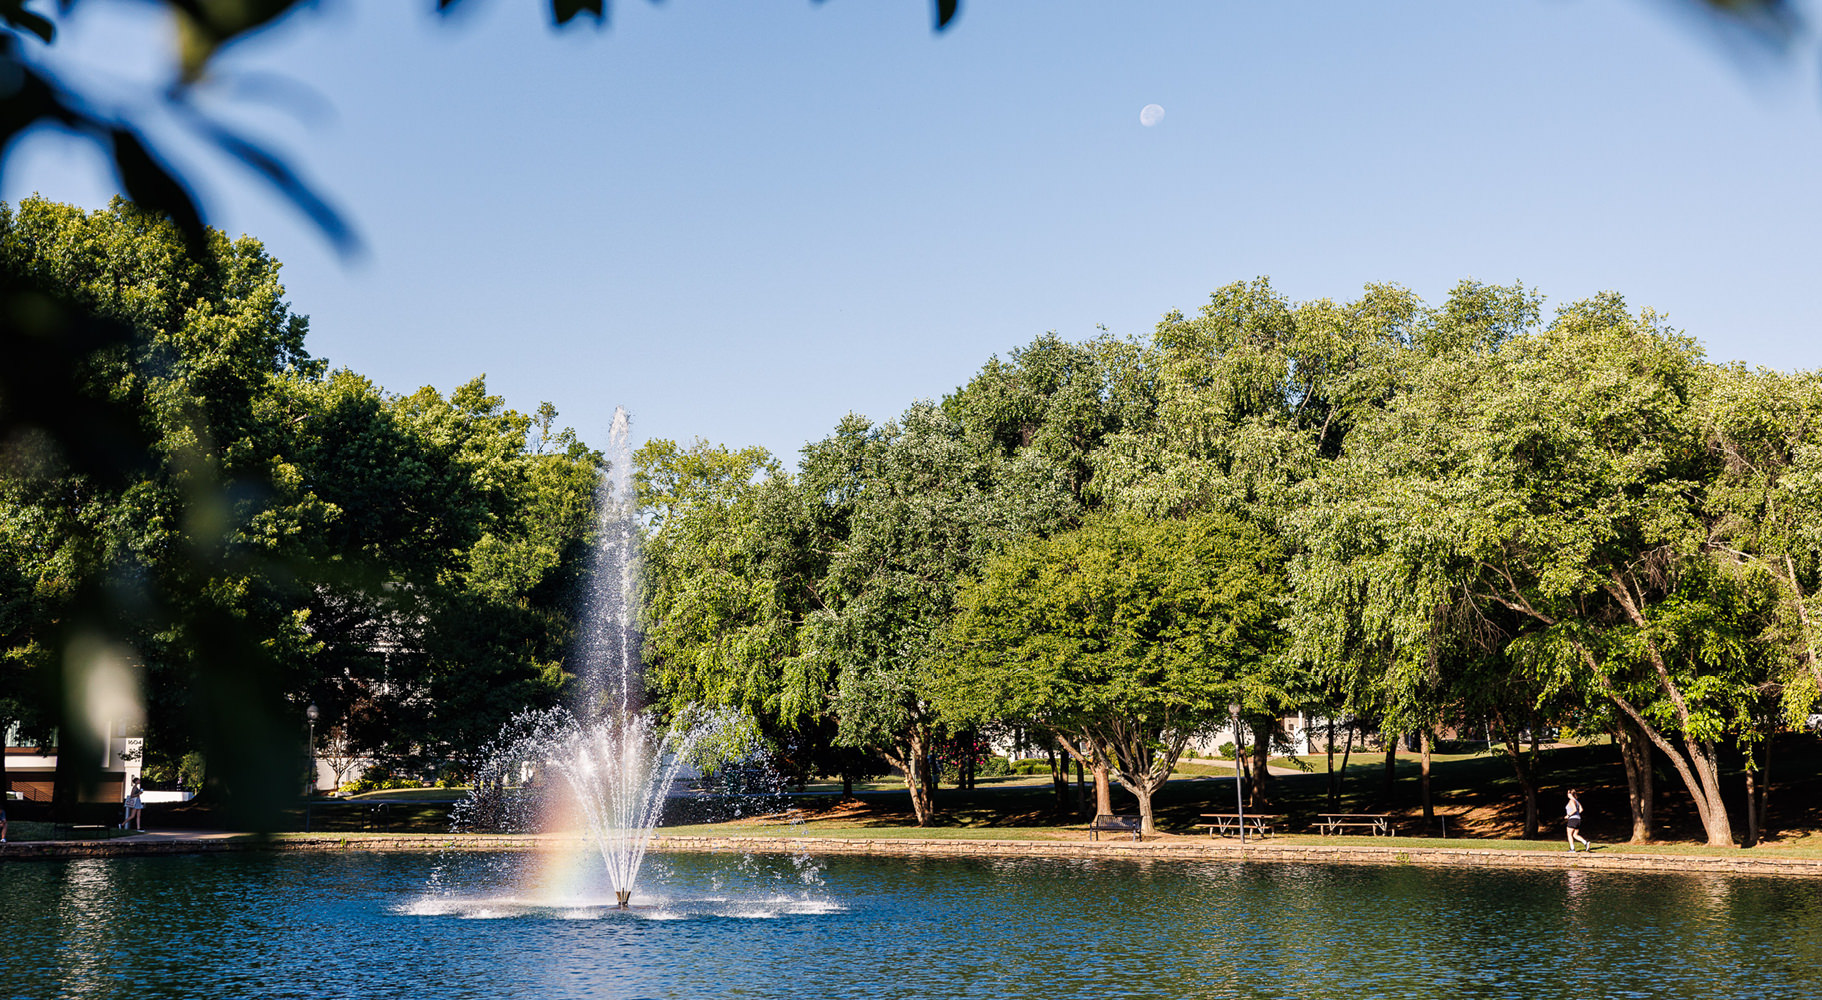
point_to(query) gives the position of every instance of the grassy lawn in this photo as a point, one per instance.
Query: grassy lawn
(846, 830)
(1478, 792)
(813, 828)
(407, 795)
(20, 830)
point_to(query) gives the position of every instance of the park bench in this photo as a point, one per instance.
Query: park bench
(376, 814)
(1378, 824)
(1226, 824)
(1109, 823)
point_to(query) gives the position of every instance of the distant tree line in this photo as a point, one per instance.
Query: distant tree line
(1417, 517)
(212, 518)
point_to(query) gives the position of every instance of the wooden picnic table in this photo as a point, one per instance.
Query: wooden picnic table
(1329, 824)
(1225, 824)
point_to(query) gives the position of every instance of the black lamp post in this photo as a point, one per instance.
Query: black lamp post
(310, 716)
(1233, 709)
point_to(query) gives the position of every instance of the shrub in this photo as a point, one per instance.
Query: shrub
(378, 779)
(190, 771)
(158, 775)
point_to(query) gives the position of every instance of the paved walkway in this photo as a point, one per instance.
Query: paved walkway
(164, 836)
(1271, 768)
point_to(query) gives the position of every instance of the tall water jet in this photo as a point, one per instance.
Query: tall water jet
(617, 762)
(608, 667)
(620, 770)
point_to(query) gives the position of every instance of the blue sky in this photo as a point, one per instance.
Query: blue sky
(743, 220)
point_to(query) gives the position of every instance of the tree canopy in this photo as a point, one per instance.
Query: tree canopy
(283, 533)
(1466, 517)
(1129, 634)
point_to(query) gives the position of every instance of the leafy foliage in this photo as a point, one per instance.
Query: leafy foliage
(285, 533)
(1129, 633)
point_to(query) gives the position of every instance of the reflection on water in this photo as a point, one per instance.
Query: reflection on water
(88, 898)
(392, 925)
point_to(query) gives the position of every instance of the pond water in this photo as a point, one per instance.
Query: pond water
(460, 925)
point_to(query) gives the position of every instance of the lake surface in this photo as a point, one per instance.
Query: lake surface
(478, 925)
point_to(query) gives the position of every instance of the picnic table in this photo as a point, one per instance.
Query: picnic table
(1329, 824)
(1225, 824)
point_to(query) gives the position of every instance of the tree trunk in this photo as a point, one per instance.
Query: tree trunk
(847, 784)
(1635, 756)
(1696, 764)
(65, 781)
(914, 765)
(1081, 790)
(1059, 779)
(1347, 751)
(1391, 763)
(1526, 772)
(1146, 826)
(1429, 814)
(1083, 748)
(1764, 788)
(1103, 788)
(1334, 787)
(1708, 769)
(1142, 768)
(1262, 748)
(1752, 807)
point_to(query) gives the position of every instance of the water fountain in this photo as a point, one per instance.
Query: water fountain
(618, 763)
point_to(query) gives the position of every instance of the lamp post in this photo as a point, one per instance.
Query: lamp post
(310, 716)
(1233, 709)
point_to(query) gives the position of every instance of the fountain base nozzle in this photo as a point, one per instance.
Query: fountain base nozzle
(621, 896)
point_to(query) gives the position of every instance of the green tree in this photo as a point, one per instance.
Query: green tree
(905, 510)
(728, 584)
(157, 572)
(1128, 633)
(290, 535)
(1551, 482)
(1764, 504)
(1256, 395)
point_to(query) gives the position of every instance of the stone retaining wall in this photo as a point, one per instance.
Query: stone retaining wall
(1202, 850)
(1177, 848)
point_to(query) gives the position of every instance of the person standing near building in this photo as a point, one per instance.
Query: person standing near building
(1572, 822)
(134, 805)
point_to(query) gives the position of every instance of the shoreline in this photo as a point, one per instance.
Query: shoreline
(1174, 849)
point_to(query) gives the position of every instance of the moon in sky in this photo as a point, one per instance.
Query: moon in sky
(1151, 114)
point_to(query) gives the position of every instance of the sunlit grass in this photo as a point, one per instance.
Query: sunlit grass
(21, 830)
(407, 795)
(850, 831)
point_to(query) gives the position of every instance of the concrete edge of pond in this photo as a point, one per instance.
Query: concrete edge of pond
(183, 842)
(1190, 849)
